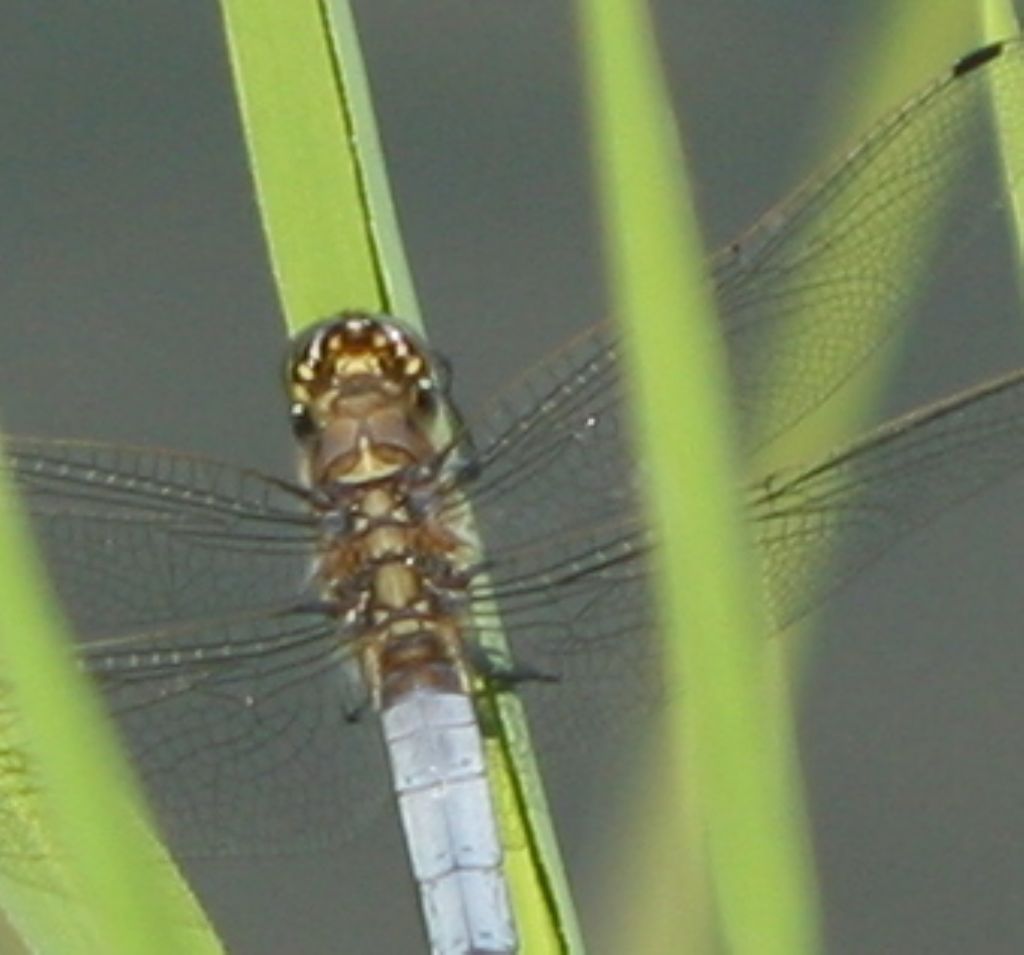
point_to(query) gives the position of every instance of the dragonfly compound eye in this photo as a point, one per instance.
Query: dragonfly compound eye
(356, 358)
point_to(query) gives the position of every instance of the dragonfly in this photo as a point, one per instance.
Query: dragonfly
(254, 632)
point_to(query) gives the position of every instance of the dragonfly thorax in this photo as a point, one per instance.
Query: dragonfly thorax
(396, 577)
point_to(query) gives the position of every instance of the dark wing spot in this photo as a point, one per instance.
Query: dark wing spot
(979, 57)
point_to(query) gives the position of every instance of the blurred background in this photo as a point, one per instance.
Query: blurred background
(135, 305)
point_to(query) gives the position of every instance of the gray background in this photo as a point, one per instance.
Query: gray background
(135, 306)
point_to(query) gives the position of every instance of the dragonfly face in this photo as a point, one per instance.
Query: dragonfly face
(229, 615)
(364, 401)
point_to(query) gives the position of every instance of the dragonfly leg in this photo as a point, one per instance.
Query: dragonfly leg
(320, 606)
(355, 712)
(504, 675)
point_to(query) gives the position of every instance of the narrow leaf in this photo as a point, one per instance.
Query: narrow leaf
(745, 788)
(999, 21)
(334, 244)
(80, 870)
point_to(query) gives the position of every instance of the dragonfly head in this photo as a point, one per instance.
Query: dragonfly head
(364, 397)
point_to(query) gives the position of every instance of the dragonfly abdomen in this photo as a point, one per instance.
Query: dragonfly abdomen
(437, 764)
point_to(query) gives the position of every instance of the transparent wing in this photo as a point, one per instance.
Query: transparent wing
(851, 507)
(186, 580)
(819, 282)
(805, 296)
(241, 729)
(573, 593)
(138, 536)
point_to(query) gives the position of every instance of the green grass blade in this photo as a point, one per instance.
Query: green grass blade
(399, 294)
(999, 21)
(746, 792)
(334, 243)
(315, 223)
(84, 874)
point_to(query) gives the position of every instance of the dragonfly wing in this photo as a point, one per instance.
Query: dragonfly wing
(185, 579)
(244, 730)
(818, 526)
(555, 500)
(806, 295)
(573, 594)
(138, 536)
(811, 291)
